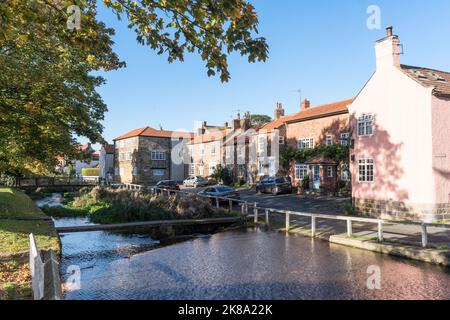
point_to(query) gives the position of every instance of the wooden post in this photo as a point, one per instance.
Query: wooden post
(380, 231)
(255, 213)
(287, 221)
(424, 235)
(313, 226)
(349, 228)
(267, 218)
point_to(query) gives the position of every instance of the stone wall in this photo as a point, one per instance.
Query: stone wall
(394, 210)
(146, 166)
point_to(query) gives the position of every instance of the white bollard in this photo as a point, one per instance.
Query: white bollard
(380, 231)
(255, 213)
(313, 226)
(267, 217)
(349, 228)
(424, 235)
(287, 221)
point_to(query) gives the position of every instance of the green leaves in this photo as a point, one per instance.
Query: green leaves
(336, 152)
(212, 28)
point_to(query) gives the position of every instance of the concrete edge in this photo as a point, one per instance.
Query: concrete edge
(439, 257)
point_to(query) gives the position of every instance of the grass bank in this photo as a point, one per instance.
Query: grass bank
(18, 218)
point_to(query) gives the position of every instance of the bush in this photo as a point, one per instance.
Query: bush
(64, 211)
(90, 172)
(222, 174)
(305, 183)
(350, 210)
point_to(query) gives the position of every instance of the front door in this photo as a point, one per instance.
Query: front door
(316, 177)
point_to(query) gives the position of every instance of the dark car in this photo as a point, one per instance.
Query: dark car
(220, 191)
(168, 185)
(274, 185)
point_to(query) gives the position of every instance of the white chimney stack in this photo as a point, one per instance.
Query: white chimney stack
(387, 50)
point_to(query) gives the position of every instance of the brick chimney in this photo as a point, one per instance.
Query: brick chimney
(305, 105)
(279, 111)
(388, 50)
(237, 122)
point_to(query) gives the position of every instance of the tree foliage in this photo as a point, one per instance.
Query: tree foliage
(259, 119)
(336, 152)
(212, 28)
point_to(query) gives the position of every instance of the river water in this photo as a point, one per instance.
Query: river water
(244, 264)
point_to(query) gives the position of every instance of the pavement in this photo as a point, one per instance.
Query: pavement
(406, 234)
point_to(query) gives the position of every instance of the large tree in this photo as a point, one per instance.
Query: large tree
(47, 86)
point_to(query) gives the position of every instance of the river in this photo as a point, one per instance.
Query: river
(244, 264)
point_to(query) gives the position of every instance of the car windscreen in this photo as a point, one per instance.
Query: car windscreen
(224, 189)
(280, 180)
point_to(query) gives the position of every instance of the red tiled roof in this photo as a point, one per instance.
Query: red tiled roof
(321, 159)
(440, 80)
(151, 132)
(210, 137)
(324, 110)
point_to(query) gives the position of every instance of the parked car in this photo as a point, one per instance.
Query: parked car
(168, 185)
(221, 191)
(274, 185)
(195, 181)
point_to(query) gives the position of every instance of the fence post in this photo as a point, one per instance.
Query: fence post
(287, 221)
(230, 204)
(243, 208)
(246, 207)
(380, 231)
(267, 217)
(36, 270)
(255, 213)
(349, 228)
(217, 203)
(424, 235)
(313, 226)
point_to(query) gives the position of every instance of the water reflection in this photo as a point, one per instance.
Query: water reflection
(243, 265)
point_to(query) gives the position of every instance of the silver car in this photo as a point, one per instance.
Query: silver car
(195, 181)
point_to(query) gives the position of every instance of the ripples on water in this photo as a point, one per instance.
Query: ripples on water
(240, 265)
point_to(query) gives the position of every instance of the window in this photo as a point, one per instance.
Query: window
(200, 170)
(191, 169)
(128, 156)
(301, 171)
(345, 137)
(121, 156)
(330, 172)
(306, 143)
(281, 140)
(328, 140)
(261, 144)
(241, 170)
(158, 155)
(366, 170)
(159, 172)
(213, 149)
(365, 125)
(345, 173)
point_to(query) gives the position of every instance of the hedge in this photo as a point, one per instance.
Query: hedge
(90, 172)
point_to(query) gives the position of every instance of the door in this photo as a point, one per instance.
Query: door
(316, 177)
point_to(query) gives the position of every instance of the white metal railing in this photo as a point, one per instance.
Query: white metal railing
(36, 270)
(267, 211)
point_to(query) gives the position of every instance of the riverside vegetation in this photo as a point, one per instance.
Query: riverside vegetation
(116, 206)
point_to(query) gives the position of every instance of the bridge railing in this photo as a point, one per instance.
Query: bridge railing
(247, 207)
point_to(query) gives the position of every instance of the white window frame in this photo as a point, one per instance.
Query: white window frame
(305, 143)
(301, 171)
(365, 125)
(212, 149)
(261, 144)
(241, 169)
(330, 172)
(281, 140)
(365, 167)
(344, 138)
(128, 156)
(328, 140)
(159, 172)
(158, 155)
(121, 156)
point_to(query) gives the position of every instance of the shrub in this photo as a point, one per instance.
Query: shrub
(90, 172)
(350, 209)
(305, 183)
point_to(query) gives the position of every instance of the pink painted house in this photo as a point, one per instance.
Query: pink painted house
(400, 155)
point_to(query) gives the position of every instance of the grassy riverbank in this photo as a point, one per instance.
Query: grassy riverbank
(18, 218)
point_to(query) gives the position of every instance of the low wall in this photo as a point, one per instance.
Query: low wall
(394, 210)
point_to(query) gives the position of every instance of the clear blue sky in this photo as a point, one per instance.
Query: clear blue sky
(322, 47)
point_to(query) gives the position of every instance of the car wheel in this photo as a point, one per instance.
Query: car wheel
(274, 191)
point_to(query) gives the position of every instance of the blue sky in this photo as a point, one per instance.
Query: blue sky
(322, 47)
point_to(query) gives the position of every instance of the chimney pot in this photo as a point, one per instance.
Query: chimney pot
(390, 31)
(305, 104)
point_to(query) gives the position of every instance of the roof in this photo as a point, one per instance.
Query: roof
(109, 148)
(439, 80)
(275, 124)
(209, 137)
(325, 110)
(321, 159)
(152, 132)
